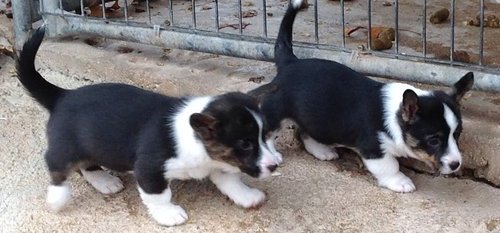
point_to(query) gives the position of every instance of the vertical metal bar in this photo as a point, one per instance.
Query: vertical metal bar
(369, 24)
(424, 30)
(82, 9)
(481, 35)
(452, 46)
(42, 9)
(171, 12)
(240, 16)
(217, 15)
(396, 26)
(148, 10)
(103, 9)
(316, 33)
(125, 9)
(22, 21)
(60, 7)
(193, 12)
(264, 18)
(343, 21)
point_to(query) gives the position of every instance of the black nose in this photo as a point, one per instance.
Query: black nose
(454, 165)
(272, 167)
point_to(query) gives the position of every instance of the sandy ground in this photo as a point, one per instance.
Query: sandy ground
(309, 196)
(330, 25)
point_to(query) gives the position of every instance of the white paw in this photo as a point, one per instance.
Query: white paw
(168, 214)
(278, 157)
(58, 196)
(249, 198)
(398, 183)
(329, 154)
(318, 150)
(103, 181)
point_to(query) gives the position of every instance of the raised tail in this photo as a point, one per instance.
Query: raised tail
(44, 92)
(283, 51)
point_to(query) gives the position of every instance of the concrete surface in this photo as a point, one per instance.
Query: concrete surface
(309, 196)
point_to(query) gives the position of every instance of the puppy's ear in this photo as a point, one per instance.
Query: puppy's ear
(203, 124)
(261, 92)
(409, 106)
(462, 86)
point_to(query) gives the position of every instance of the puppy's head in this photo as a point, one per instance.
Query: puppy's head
(231, 130)
(432, 125)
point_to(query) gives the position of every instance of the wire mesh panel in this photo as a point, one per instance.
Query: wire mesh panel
(457, 33)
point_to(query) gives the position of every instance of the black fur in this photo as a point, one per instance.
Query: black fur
(125, 128)
(334, 104)
(44, 92)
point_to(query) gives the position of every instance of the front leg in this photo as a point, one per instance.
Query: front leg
(270, 142)
(157, 195)
(230, 184)
(386, 171)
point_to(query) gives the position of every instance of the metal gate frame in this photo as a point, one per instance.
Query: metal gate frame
(373, 63)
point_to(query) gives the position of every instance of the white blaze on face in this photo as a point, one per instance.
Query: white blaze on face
(452, 154)
(266, 158)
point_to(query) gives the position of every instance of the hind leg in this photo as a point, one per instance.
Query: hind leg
(58, 192)
(101, 180)
(318, 150)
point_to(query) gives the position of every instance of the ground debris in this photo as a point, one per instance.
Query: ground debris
(440, 16)
(234, 25)
(257, 79)
(490, 21)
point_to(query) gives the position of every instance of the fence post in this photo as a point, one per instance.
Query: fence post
(21, 10)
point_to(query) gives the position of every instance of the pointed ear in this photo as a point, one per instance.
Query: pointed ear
(462, 86)
(409, 106)
(203, 124)
(261, 92)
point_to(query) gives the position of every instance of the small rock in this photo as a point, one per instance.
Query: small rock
(124, 49)
(248, 3)
(440, 16)
(489, 21)
(387, 3)
(258, 79)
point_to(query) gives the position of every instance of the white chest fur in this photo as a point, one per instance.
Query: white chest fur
(192, 160)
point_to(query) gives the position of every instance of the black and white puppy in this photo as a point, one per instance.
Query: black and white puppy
(159, 138)
(335, 106)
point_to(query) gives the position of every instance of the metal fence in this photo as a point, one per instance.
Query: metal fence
(222, 27)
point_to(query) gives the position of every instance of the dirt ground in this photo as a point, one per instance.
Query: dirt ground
(308, 196)
(410, 17)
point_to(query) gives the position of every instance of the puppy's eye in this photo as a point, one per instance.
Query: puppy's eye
(434, 142)
(456, 135)
(245, 144)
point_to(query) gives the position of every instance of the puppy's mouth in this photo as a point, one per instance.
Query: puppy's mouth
(436, 168)
(429, 160)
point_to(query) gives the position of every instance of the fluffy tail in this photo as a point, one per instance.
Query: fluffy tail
(44, 92)
(283, 51)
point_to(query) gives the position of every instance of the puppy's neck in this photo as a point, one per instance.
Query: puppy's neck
(393, 140)
(186, 143)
